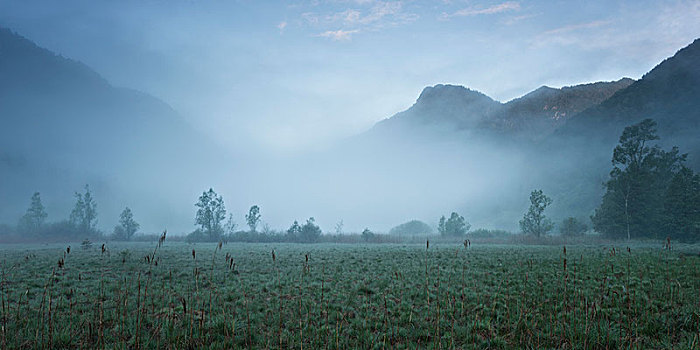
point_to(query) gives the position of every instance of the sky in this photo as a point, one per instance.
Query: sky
(290, 76)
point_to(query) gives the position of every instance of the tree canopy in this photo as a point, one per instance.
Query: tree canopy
(83, 217)
(211, 211)
(650, 194)
(534, 221)
(456, 225)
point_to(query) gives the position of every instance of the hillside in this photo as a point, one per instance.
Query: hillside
(669, 93)
(533, 116)
(65, 126)
(560, 140)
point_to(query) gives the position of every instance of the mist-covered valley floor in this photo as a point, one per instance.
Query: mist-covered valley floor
(361, 174)
(454, 150)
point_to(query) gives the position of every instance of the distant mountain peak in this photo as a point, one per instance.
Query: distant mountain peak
(447, 93)
(534, 115)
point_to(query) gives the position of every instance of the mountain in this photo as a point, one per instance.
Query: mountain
(559, 140)
(65, 126)
(533, 116)
(540, 112)
(669, 94)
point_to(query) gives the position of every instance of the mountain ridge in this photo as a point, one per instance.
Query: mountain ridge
(463, 108)
(70, 127)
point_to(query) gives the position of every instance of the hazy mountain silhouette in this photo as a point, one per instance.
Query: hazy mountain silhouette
(64, 126)
(532, 116)
(669, 94)
(566, 136)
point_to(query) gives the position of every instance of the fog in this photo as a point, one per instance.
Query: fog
(277, 105)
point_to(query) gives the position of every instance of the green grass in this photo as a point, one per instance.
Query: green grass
(349, 296)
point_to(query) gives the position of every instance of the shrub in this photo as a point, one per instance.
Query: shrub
(412, 228)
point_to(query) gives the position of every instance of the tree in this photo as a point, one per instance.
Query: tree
(310, 232)
(210, 213)
(534, 222)
(83, 217)
(572, 227)
(682, 206)
(339, 227)
(230, 227)
(127, 225)
(294, 231)
(367, 235)
(456, 225)
(35, 217)
(253, 218)
(633, 201)
(442, 229)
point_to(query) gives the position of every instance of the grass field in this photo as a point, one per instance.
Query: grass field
(332, 296)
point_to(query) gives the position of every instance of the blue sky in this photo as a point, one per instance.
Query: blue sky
(288, 76)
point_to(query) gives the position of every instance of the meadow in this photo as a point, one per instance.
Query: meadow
(358, 296)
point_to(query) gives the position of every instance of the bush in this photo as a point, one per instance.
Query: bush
(483, 233)
(65, 230)
(412, 228)
(200, 236)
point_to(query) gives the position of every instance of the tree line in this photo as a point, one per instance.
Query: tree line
(650, 194)
(80, 224)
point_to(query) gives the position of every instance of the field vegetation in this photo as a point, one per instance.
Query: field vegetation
(327, 296)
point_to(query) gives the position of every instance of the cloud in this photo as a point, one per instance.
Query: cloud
(338, 35)
(473, 11)
(310, 18)
(363, 15)
(588, 34)
(377, 14)
(281, 26)
(516, 19)
(575, 27)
